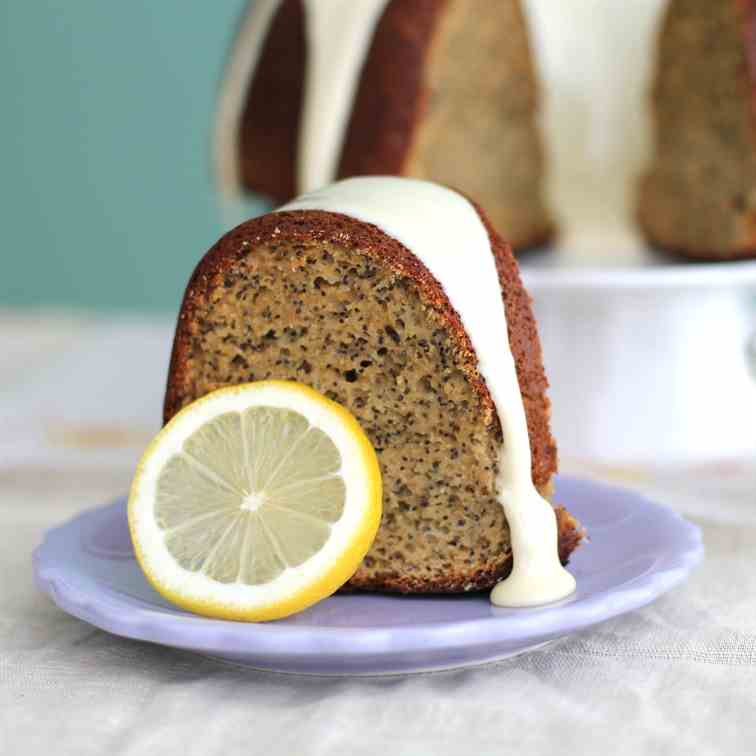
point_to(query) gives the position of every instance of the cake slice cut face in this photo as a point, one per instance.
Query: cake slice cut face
(330, 292)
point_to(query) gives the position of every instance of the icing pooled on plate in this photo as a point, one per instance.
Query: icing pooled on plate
(443, 229)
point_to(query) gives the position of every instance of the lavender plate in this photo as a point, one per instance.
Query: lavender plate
(638, 551)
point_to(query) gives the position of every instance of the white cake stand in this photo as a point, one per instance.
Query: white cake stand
(650, 359)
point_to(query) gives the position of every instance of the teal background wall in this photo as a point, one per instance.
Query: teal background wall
(105, 164)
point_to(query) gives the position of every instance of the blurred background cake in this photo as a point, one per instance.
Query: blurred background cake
(699, 195)
(433, 89)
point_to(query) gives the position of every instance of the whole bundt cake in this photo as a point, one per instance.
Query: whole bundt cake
(434, 89)
(699, 195)
(396, 298)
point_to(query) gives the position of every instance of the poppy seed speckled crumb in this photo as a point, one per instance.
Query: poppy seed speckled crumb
(337, 304)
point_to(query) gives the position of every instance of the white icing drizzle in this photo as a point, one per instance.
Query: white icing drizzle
(445, 232)
(338, 33)
(239, 75)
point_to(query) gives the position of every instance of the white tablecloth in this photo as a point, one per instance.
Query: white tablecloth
(78, 399)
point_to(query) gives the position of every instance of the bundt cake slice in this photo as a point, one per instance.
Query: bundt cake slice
(319, 90)
(335, 291)
(699, 195)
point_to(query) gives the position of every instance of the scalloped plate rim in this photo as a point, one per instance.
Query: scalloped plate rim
(281, 641)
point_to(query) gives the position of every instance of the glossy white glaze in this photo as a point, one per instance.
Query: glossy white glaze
(338, 34)
(445, 232)
(241, 70)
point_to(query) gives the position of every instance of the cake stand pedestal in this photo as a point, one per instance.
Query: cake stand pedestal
(650, 359)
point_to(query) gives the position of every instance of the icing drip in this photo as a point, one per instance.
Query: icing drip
(339, 33)
(445, 232)
(241, 69)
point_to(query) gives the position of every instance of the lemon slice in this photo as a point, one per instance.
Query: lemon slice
(255, 502)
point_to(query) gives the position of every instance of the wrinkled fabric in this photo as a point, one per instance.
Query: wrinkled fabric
(676, 677)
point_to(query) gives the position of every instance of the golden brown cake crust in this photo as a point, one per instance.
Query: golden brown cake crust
(316, 226)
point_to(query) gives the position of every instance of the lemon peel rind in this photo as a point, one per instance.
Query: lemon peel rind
(330, 579)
